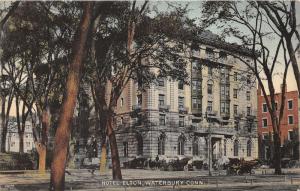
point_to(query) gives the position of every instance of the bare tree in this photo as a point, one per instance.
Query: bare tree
(265, 61)
(282, 15)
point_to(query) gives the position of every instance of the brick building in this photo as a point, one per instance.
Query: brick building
(288, 130)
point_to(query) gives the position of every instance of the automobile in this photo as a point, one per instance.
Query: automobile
(178, 164)
(137, 162)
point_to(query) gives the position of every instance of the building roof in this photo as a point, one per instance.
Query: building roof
(209, 38)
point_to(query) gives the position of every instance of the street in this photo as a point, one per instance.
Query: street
(83, 179)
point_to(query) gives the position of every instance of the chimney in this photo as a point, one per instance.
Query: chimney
(285, 89)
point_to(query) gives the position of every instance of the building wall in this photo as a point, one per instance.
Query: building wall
(285, 127)
(13, 141)
(196, 125)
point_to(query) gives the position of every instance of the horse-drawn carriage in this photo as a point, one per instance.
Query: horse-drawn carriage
(240, 167)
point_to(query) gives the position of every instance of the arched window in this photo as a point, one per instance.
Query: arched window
(161, 144)
(139, 139)
(249, 145)
(180, 147)
(196, 146)
(236, 148)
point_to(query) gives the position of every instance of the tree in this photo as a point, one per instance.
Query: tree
(132, 47)
(63, 131)
(282, 15)
(265, 61)
(42, 55)
(5, 108)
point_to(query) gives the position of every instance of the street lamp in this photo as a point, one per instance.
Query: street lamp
(209, 144)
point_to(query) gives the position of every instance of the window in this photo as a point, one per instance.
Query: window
(209, 88)
(223, 90)
(122, 120)
(290, 135)
(225, 107)
(162, 119)
(161, 82)
(291, 119)
(250, 125)
(196, 86)
(180, 148)
(225, 147)
(139, 144)
(236, 125)
(196, 103)
(223, 56)
(195, 65)
(248, 79)
(125, 149)
(27, 144)
(180, 102)
(161, 144)
(209, 106)
(265, 122)
(122, 102)
(265, 136)
(248, 110)
(248, 95)
(265, 108)
(195, 147)
(235, 109)
(209, 53)
(235, 93)
(236, 148)
(139, 99)
(161, 99)
(249, 145)
(210, 71)
(290, 104)
(235, 76)
(180, 84)
(181, 121)
(222, 107)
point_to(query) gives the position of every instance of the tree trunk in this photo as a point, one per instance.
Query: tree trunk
(103, 157)
(277, 153)
(116, 169)
(42, 150)
(21, 143)
(62, 135)
(42, 146)
(3, 126)
(294, 63)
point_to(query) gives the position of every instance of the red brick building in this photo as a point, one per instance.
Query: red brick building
(288, 129)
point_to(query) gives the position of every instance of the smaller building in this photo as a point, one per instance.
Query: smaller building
(13, 140)
(288, 129)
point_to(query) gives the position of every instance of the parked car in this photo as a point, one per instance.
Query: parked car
(178, 164)
(138, 162)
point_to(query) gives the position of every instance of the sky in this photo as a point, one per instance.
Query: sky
(195, 12)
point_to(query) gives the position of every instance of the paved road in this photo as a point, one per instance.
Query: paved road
(193, 180)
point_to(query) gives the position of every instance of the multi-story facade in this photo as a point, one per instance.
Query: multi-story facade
(288, 128)
(13, 140)
(172, 119)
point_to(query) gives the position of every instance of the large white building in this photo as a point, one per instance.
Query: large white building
(174, 119)
(13, 140)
